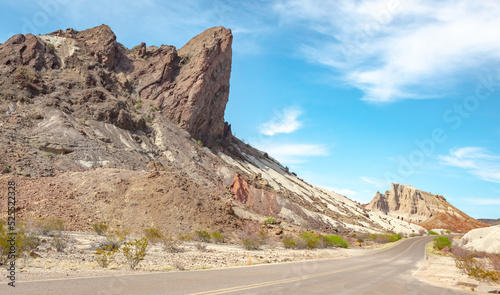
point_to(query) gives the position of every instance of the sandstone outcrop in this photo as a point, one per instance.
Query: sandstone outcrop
(428, 210)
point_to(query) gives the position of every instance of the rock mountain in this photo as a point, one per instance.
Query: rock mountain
(407, 203)
(94, 131)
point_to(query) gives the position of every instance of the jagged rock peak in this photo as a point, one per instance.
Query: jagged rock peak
(190, 86)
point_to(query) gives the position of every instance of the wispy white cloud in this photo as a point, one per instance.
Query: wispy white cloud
(294, 153)
(394, 50)
(283, 122)
(484, 201)
(476, 160)
(378, 183)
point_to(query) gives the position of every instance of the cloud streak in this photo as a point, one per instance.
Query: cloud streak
(395, 50)
(477, 161)
(283, 122)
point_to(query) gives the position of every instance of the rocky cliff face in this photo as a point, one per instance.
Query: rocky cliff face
(93, 131)
(90, 75)
(407, 203)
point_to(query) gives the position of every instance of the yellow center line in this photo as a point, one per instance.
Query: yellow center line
(284, 281)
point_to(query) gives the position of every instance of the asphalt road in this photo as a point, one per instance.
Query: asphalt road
(382, 272)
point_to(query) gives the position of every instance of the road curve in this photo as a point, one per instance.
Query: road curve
(381, 272)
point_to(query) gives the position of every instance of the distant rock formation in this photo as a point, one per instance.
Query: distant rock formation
(490, 221)
(428, 210)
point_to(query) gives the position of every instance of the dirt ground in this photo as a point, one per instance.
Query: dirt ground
(441, 271)
(78, 258)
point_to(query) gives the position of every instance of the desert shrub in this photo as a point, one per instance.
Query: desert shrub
(217, 237)
(153, 234)
(270, 220)
(202, 247)
(105, 257)
(114, 240)
(185, 237)
(100, 228)
(412, 235)
(21, 244)
(199, 143)
(334, 241)
(384, 238)
(51, 226)
(441, 242)
(251, 237)
(139, 104)
(202, 236)
(289, 242)
(251, 243)
(433, 233)
(59, 242)
(134, 252)
(448, 231)
(495, 261)
(171, 245)
(476, 269)
(311, 239)
(51, 46)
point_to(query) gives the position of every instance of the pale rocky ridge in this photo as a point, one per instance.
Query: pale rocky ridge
(95, 131)
(407, 203)
(482, 239)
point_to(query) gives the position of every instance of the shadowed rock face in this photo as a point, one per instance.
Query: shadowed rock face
(430, 211)
(91, 75)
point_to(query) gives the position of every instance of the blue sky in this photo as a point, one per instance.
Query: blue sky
(351, 95)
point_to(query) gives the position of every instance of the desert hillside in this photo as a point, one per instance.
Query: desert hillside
(95, 132)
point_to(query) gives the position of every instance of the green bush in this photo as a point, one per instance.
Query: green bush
(139, 104)
(153, 234)
(51, 46)
(270, 220)
(100, 228)
(312, 240)
(217, 237)
(433, 233)
(202, 236)
(448, 231)
(441, 242)
(334, 241)
(199, 143)
(134, 252)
